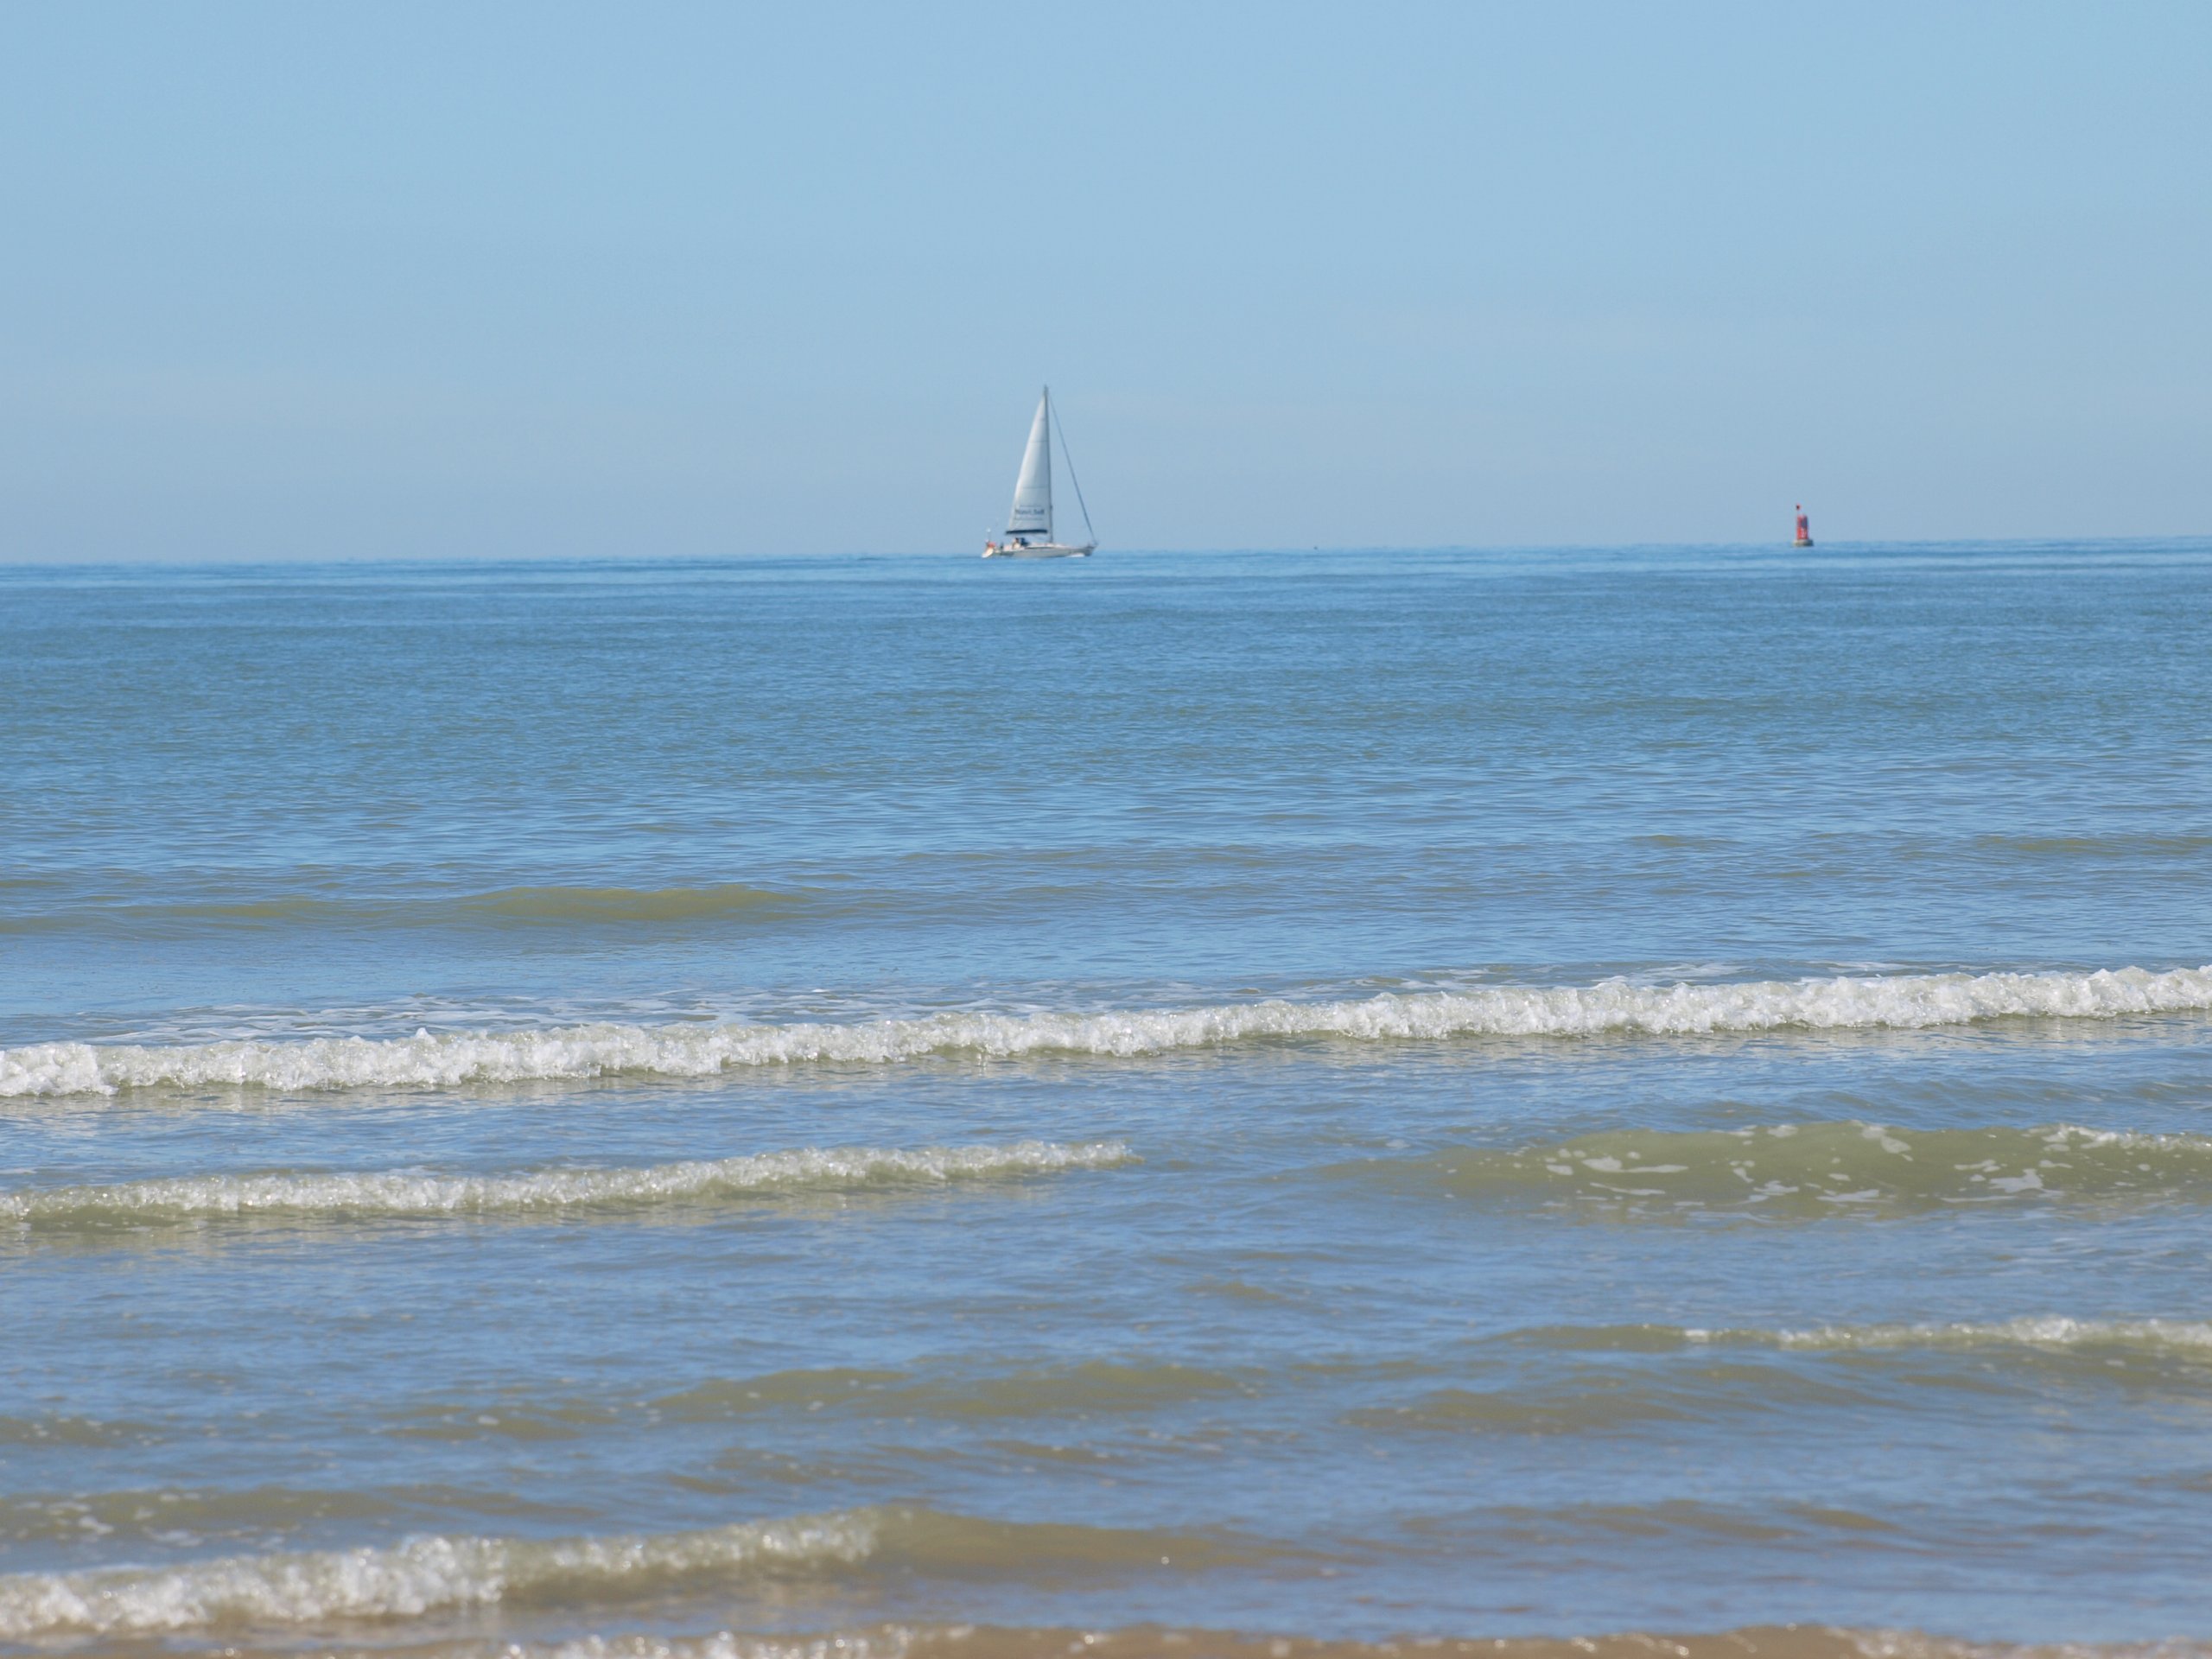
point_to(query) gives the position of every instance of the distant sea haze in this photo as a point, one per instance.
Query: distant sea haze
(959, 1109)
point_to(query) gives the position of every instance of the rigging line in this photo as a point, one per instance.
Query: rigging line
(1072, 479)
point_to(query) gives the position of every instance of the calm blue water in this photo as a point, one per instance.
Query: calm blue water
(1460, 1094)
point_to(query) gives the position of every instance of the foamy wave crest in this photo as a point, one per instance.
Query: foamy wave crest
(1150, 1642)
(405, 1193)
(419, 1576)
(452, 1060)
(2189, 1338)
(433, 1574)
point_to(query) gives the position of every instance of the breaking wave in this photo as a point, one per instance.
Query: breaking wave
(2189, 1340)
(1818, 1169)
(1151, 1642)
(432, 1574)
(418, 1576)
(451, 1059)
(403, 1194)
(1154, 1642)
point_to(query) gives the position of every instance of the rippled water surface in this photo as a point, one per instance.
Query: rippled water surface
(1325, 1097)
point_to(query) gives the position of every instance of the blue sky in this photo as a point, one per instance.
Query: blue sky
(433, 280)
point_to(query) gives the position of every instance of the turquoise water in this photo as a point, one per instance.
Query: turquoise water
(1346, 1095)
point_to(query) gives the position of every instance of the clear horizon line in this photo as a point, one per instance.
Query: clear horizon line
(1777, 546)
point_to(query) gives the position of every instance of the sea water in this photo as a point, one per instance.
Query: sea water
(739, 1107)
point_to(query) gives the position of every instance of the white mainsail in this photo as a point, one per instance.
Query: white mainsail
(1033, 491)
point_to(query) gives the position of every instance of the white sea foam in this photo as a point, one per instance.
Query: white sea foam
(2043, 1331)
(456, 1059)
(1018, 1641)
(884, 1641)
(2056, 1333)
(409, 1193)
(443, 1573)
(419, 1576)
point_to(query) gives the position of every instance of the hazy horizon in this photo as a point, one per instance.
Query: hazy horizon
(568, 283)
(1778, 545)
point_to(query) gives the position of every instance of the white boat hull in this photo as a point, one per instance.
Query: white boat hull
(1036, 550)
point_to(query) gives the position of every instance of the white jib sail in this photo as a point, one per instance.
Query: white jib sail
(1033, 492)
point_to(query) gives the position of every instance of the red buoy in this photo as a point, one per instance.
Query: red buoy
(1804, 527)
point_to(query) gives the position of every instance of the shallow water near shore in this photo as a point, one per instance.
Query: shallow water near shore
(937, 1106)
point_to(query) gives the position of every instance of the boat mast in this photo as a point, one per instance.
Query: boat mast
(1090, 535)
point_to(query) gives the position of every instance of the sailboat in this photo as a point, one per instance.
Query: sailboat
(1029, 525)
